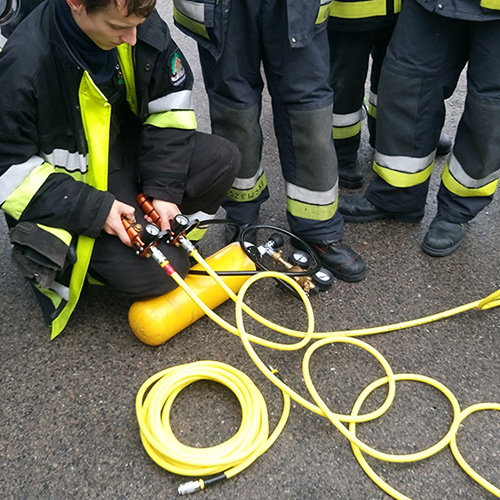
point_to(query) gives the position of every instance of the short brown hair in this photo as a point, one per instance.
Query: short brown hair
(140, 8)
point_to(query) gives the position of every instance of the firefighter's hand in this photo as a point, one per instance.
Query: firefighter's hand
(167, 211)
(114, 224)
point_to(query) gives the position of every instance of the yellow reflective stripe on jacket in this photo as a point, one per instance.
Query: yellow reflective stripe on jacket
(54, 297)
(490, 4)
(175, 110)
(183, 119)
(192, 25)
(96, 118)
(19, 199)
(324, 11)
(403, 179)
(16, 174)
(362, 8)
(78, 176)
(197, 234)
(456, 187)
(62, 234)
(83, 251)
(127, 66)
(94, 281)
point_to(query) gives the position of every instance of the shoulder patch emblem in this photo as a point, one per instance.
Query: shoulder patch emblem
(177, 71)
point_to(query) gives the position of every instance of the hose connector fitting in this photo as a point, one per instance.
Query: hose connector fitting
(190, 487)
(186, 244)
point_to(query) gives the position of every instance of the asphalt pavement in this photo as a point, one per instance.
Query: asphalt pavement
(68, 427)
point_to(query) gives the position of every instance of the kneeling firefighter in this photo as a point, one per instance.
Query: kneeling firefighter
(95, 107)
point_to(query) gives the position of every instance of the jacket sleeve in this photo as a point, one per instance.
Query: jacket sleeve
(75, 206)
(168, 132)
(30, 187)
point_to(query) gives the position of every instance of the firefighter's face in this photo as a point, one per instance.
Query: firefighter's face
(108, 27)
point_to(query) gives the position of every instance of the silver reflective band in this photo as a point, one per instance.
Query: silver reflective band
(404, 164)
(71, 162)
(176, 100)
(463, 178)
(200, 216)
(16, 175)
(61, 290)
(312, 197)
(193, 10)
(347, 120)
(247, 182)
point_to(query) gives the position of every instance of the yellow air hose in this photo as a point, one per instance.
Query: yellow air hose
(156, 396)
(230, 457)
(402, 458)
(460, 459)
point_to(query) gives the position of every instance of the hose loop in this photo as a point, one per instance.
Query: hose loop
(460, 459)
(490, 301)
(154, 402)
(156, 396)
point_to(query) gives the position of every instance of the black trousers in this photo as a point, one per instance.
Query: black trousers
(297, 80)
(350, 53)
(214, 164)
(424, 60)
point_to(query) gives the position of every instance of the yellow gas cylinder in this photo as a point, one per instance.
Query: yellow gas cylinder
(156, 320)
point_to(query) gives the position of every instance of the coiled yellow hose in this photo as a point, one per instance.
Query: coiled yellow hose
(153, 409)
(156, 397)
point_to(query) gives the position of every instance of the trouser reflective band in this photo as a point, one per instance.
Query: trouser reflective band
(347, 126)
(417, 170)
(299, 203)
(462, 185)
(361, 9)
(473, 168)
(248, 189)
(347, 136)
(311, 174)
(372, 104)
